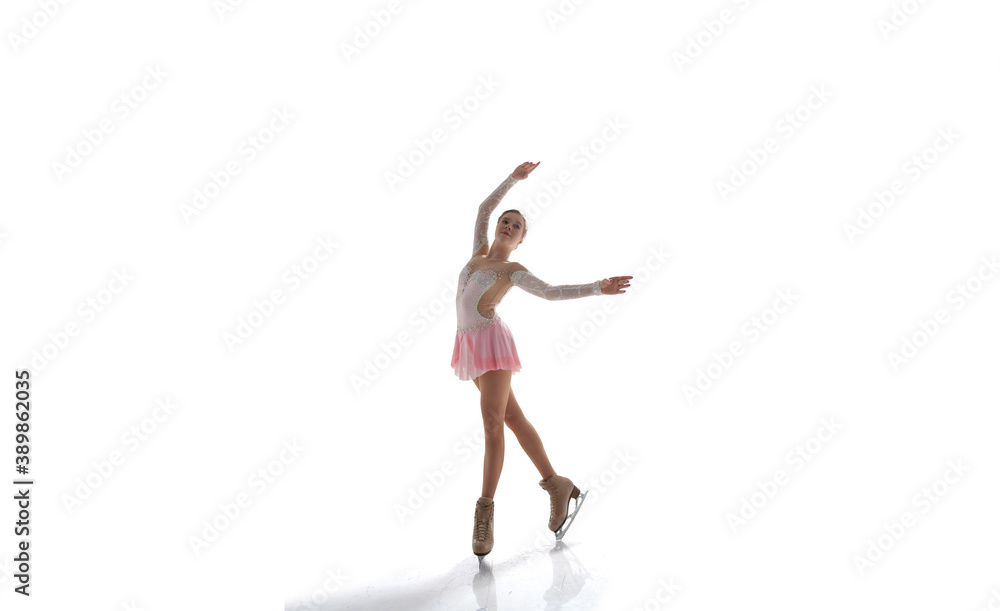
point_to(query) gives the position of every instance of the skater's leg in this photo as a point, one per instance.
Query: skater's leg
(493, 389)
(526, 435)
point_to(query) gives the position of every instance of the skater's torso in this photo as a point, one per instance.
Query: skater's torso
(482, 285)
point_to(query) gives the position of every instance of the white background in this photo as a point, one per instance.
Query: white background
(380, 307)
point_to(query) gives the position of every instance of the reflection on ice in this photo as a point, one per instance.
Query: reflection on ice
(568, 578)
(550, 578)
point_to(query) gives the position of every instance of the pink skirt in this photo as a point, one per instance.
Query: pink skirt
(481, 350)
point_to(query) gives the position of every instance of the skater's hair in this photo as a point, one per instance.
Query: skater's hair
(524, 227)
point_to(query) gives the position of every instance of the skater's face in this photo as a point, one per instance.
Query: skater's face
(510, 228)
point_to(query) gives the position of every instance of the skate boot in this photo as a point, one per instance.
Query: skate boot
(482, 533)
(561, 490)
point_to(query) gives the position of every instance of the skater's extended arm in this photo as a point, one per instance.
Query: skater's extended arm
(520, 276)
(536, 286)
(481, 234)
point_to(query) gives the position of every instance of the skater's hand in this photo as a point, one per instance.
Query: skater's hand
(521, 172)
(615, 285)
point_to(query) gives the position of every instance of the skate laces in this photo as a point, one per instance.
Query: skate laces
(553, 505)
(483, 515)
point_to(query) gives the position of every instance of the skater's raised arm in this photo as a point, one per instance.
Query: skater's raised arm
(481, 234)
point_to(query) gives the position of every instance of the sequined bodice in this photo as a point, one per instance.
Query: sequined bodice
(482, 283)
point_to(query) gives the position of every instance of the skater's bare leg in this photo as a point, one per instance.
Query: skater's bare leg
(494, 386)
(526, 435)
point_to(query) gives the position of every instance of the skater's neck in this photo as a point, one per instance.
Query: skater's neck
(497, 252)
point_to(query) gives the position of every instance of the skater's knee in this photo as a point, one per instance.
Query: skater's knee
(514, 418)
(492, 422)
(493, 428)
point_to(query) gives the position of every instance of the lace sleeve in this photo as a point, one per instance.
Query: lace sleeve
(529, 282)
(486, 209)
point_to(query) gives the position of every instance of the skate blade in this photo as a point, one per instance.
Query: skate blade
(569, 520)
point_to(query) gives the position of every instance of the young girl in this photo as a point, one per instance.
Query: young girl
(485, 353)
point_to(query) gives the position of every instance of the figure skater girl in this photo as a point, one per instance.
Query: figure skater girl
(485, 353)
